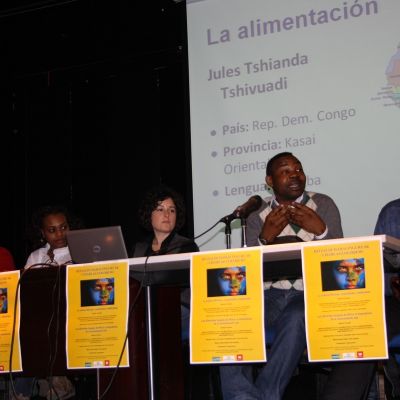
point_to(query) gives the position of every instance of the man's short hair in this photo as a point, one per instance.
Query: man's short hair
(271, 162)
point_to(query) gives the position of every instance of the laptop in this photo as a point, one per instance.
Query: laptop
(96, 244)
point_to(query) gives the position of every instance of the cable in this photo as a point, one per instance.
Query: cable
(208, 230)
(16, 304)
(167, 251)
(56, 291)
(131, 308)
(34, 7)
(56, 314)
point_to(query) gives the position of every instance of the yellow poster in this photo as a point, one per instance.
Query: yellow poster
(227, 307)
(9, 322)
(97, 314)
(344, 296)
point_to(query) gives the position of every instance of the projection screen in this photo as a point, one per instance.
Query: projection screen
(320, 79)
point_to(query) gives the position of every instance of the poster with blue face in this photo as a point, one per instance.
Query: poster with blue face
(343, 274)
(3, 301)
(229, 281)
(97, 292)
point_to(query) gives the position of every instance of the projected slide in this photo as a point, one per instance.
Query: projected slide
(318, 79)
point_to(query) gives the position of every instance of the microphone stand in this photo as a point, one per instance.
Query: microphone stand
(228, 231)
(244, 226)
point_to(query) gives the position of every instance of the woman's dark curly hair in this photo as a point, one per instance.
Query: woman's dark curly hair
(40, 214)
(151, 201)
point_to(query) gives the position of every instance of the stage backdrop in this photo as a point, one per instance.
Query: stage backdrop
(319, 79)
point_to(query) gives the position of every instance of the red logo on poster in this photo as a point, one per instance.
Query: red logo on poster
(360, 354)
(239, 357)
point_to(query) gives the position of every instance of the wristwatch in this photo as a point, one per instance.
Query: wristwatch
(262, 240)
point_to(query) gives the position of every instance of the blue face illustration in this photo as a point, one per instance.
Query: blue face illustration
(232, 281)
(350, 274)
(102, 291)
(3, 300)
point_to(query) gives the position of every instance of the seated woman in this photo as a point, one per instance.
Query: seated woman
(49, 227)
(162, 213)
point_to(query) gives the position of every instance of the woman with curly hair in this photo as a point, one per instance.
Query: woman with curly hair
(163, 214)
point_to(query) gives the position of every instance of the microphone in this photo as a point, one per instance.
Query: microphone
(243, 211)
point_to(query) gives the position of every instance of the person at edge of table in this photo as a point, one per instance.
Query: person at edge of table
(50, 224)
(6, 260)
(291, 214)
(388, 223)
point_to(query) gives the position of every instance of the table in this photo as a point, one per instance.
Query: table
(174, 269)
(163, 275)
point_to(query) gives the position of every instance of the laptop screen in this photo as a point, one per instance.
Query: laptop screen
(96, 244)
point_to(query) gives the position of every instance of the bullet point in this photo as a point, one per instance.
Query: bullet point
(214, 154)
(213, 133)
(215, 193)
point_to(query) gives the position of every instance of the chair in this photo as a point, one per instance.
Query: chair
(391, 368)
